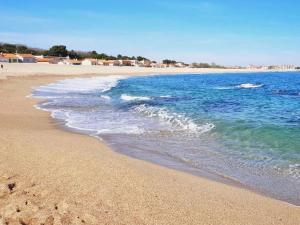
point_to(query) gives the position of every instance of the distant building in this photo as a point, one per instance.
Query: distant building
(145, 63)
(101, 62)
(42, 59)
(154, 64)
(111, 63)
(89, 62)
(281, 67)
(161, 65)
(128, 62)
(180, 65)
(26, 58)
(2, 58)
(11, 58)
(70, 62)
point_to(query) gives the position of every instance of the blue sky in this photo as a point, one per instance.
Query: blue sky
(230, 32)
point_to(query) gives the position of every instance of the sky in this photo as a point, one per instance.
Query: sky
(227, 32)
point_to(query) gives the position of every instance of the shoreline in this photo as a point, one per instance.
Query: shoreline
(27, 69)
(82, 177)
(168, 162)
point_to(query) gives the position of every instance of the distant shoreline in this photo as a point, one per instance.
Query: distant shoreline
(29, 69)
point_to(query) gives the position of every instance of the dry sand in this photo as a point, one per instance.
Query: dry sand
(12, 69)
(52, 176)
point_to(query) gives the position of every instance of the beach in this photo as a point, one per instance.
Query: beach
(52, 176)
(25, 69)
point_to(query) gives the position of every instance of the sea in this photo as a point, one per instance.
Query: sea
(237, 128)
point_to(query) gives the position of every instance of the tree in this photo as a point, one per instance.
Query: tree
(22, 49)
(9, 48)
(141, 58)
(58, 50)
(168, 61)
(93, 54)
(74, 55)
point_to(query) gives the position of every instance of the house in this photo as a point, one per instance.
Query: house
(111, 63)
(145, 63)
(161, 65)
(89, 62)
(180, 65)
(101, 62)
(11, 58)
(125, 62)
(2, 58)
(74, 62)
(134, 62)
(43, 60)
(128, 62)
(26, 58)
(154, 64)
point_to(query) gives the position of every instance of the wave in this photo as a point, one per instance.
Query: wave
(165, 96)
(106, 97)
(240, 86)
(176, 120)
(126, 97)
(249, 85)
(77, 85)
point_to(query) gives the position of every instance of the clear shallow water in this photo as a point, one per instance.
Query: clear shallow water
(242, 127)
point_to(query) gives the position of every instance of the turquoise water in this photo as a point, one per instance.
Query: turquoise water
(240, 127)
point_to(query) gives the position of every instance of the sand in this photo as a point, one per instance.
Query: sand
(51, 176)
(12, 69)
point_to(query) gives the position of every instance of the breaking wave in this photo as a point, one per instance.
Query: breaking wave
(178, 121)
(240, 86)
(126, 97)
(249, 85)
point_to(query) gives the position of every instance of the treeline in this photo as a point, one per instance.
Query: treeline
(22, 49)
(195, 65)
(207, 65)
(62, 51)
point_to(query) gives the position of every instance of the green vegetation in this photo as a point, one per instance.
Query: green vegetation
(62, 51)
(169, 62)
(58, 50)
(22, 49)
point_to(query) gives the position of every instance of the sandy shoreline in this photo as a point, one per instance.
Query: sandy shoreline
(23, 69)
(67, 178)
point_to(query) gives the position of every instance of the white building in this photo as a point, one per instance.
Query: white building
(69, 62)
(89, 62)
(26, 58)
(180, 64)
(3, 59)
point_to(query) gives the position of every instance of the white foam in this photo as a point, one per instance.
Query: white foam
(126, 97)
(249, 85)
(82, 85)
(240, 86)
(106, 97)
(176, 120)
(165, 96)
